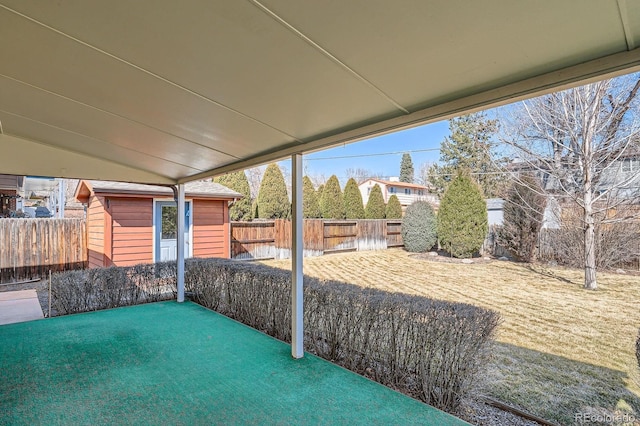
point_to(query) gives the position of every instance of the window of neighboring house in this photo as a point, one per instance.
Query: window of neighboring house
(368, 191)
(407, 191)
(545, 180)
(392, 189)
(629, 165)
(420, 192)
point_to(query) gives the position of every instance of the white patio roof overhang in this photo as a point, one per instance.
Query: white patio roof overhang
(166, 92)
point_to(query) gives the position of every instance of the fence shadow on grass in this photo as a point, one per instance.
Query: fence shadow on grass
(557, 388)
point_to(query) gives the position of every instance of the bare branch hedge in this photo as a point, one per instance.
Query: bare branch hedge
(105, 288)
(432, 350)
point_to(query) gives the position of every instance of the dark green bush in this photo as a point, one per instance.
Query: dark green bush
(419, 227)
(430, 349)
(273, 201)
(406, 168)
(462, 218)
(332, 202)
(310, 203)
(353, 206)
(523, 215)
(319, 193)
(394, 208)
(237, 181)
(375, 204)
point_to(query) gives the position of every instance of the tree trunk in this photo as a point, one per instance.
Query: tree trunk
(590, 282)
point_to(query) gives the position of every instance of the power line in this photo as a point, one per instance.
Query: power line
(372, 155)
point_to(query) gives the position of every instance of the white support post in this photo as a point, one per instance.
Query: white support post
(297, 310)
(180, 242)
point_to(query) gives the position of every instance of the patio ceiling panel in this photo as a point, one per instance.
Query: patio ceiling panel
(284, 79)
(95, 129)
(47, 160)
(182, 90)
(71, 142)
(457, 47)
(69, 71)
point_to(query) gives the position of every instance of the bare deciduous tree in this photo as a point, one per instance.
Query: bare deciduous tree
(254, 175)
(422, 177)
(360, 174)
(583, 145)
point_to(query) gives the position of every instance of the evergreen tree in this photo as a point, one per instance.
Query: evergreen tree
(353, 206)
(332, 203)
(319, 192)
(254, 209)
(273, 201)
(394, 209)
(406, 168)
(468, 148)
(310, 204)
(419, 227)
(523, 214)
(237, 181)
(462, 218)
(375, 205)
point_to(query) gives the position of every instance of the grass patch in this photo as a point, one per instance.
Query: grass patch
(562, 350)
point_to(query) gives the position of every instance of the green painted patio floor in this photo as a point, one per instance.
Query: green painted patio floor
(170, 363)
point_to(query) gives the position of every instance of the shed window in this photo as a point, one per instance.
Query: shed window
(169, 222)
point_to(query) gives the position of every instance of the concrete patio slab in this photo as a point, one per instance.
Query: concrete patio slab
(19, 306)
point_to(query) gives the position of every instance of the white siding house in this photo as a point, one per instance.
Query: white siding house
(495, 211)
(407, 193)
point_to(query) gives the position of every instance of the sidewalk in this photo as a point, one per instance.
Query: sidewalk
(19, 306)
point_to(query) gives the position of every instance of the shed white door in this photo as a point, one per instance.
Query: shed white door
(166, 226)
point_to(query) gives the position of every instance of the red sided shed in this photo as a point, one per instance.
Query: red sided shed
(131, 223)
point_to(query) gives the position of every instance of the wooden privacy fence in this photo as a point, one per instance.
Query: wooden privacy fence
(271, 239)
(30, 248)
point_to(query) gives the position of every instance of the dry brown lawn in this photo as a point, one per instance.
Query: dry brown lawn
(561, 349)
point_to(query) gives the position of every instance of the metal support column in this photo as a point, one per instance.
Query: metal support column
(180, 241)
(297, 311)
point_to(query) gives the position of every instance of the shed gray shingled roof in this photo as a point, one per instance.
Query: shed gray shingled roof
(198, 188)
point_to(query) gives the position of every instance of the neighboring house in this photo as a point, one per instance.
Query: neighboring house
(10, 190)
(44, 192)
(407, 193)
(495, 211)
(131, 223)
(622, 176)
(73, 209)
(550, 220)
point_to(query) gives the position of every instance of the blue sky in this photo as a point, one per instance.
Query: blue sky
(427, 137)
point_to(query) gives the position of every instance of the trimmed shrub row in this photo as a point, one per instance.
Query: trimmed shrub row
(429, 349)
(105, 288)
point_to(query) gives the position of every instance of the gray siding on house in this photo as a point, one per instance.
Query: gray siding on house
(495, 211)
(10, 182)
